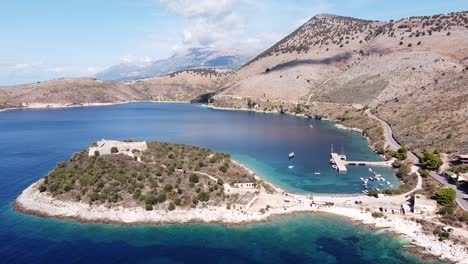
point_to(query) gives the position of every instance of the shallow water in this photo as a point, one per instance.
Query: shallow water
(33, 141)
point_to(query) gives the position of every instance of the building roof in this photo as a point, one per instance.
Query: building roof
(423, 201)
(463, 156)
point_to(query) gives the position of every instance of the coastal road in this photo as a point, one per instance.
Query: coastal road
(392, 143)
(462, 195)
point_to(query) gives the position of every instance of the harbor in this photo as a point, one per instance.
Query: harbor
(339, 162)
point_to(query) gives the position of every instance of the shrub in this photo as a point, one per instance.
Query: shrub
(168, 187)
(424, 173)
(149, 207)
(171, 206)
(446, 196)
(114, 150)
(374, 193)
(223, 169)
(150, 199)
(42, 188)
(403, 170)
(96, 153)
(161, 198)
(203, 196)
(401, 153)
(193, 178)
(431, 160)
(377, 214)
(446, 210)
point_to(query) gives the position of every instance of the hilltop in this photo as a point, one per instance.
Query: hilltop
(411, 72)
(185, 85)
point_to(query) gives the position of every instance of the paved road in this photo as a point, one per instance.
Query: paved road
(462, 195)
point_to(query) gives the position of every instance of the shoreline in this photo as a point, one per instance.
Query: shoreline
(32, 202)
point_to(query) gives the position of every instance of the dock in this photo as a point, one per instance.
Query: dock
(341, 164)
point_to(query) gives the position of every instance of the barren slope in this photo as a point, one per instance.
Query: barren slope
(391, 65)
(180, 86)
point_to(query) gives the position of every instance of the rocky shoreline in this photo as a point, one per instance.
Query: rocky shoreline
(32, 202)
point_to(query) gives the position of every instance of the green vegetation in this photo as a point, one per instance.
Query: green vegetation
(168, 176)
(401, 153)
(377, 215)
(373, 193)
(446, 196)
(459, 169)
(424, 173)
(410, 180)
(431, 160)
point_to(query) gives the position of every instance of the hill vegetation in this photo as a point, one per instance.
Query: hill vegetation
(168, 176)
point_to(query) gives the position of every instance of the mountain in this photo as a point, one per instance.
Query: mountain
(411, 72)
(185, 86)
(192, 59)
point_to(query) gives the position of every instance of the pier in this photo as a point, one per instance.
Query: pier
(341, 164)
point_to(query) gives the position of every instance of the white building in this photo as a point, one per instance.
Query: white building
(246, 185)
(422, 205)
(105, 147)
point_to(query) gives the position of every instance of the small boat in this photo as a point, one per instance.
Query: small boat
(362, 179)
(317, 173)
(389, 183)
(380, 184)
(370, 170)
(311, 126)
(290, 167)
(343, 157)
(332, 161)
(365, 191)
(334, 166)
(291, 155)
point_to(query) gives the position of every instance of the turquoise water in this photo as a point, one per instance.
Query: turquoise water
(33, 141)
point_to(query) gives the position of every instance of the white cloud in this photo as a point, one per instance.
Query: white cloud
(209, 23)
(201, 8)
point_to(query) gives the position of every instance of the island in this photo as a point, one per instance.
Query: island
(131, 182)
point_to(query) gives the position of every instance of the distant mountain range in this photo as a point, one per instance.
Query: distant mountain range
(192, 59)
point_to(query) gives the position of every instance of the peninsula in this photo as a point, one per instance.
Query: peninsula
(127, 182)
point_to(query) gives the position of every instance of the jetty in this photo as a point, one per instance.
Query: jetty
(341, 163)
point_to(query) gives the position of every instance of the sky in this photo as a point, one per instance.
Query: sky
(48, 39)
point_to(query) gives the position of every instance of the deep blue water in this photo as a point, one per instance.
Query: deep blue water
(33, 141)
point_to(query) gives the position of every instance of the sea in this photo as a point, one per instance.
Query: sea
(33, 141)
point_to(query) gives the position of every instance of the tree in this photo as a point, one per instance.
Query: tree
(431, 160)
(193, 178)
(446, 196)
(401, 153)
(114, 150)
(403, 170)
(424, 173)
(149, 207)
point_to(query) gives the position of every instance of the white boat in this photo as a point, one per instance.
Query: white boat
(380, 184)
(311, 126)
(343, 157)
(365, 191)
(334, 166)
(291, 155)
(317, 173)
(290, 167)
(389, 183)
(370, 169)
(332, 161)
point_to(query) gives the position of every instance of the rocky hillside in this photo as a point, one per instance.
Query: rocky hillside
(413, 73)
(179, 86)
(185, 85)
